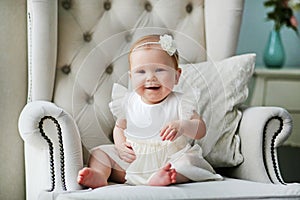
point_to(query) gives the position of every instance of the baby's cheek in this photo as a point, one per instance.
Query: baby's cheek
(137, 84)
(168, 82)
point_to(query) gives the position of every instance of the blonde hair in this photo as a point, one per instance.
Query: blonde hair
(148, 41)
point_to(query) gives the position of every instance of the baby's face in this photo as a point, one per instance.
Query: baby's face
(153, 74)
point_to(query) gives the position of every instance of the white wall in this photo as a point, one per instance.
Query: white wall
(13, 86)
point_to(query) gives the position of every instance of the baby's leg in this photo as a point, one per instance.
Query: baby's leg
(101, 168)
(164, 176)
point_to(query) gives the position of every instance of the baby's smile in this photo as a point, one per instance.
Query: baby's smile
(155, 87)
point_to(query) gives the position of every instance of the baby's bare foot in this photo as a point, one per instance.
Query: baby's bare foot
(91, 178)
(164, 176)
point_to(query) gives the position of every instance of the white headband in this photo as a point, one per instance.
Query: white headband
(166, 42)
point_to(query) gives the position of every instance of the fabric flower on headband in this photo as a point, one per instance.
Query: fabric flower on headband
(168, 44)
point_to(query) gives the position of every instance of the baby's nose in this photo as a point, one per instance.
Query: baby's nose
(151, 76)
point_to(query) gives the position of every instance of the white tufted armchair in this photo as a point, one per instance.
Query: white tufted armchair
(77, 50)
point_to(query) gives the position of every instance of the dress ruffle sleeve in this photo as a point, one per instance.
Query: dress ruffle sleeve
(188, 104)
(119, 94)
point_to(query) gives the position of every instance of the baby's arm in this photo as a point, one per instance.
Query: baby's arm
(194, 128)
(123, 147)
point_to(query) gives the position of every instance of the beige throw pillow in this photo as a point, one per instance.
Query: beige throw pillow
(219, 88)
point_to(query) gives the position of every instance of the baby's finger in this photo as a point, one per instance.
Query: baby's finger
(171, 138)
(131, 157)
(163, 130)
(128, 158)
(128, 145)
(130, 152)
(171, 135)
(166, 133)
(128, 148)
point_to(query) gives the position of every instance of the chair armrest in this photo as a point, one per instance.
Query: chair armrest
(53, 151)
(262, 130)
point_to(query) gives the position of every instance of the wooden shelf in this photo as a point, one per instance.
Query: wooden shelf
(282, 73)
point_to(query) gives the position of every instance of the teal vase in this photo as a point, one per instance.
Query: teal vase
(274, 55)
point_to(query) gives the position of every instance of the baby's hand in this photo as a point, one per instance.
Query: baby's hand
(126, 152)
(171, 131)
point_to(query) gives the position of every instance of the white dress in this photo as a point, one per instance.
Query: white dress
(144, 122)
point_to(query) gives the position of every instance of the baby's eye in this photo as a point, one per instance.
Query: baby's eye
(141, 71)
(160, 70)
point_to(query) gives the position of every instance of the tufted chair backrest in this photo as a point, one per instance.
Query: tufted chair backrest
(77, 49)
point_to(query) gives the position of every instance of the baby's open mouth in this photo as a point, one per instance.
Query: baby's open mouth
(152, 87)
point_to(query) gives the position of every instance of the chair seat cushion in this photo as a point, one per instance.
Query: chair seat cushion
(226, 189)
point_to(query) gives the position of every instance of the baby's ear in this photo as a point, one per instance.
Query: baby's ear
(178, 73)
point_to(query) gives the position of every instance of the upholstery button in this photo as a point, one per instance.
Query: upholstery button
(128, 38)
(66, 69)
(107, 5)
(148, 6)
(90, 100)
(87, 37)
(66, 4)
(189, 8)
(109, 69)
